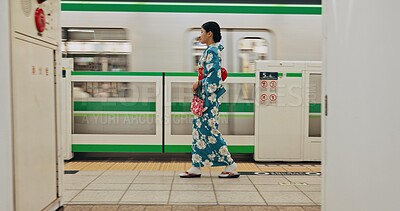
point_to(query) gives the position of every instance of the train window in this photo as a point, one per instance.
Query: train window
(97, 49)
(314, 120)
(114, 108)
(250, 50)
(236, 112)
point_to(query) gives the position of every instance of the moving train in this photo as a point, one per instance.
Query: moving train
(134, 62)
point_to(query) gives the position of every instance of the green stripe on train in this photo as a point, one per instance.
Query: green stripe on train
(190, 8)
(115, 148)
(96, 73)
(225, 107)
(114, 106)
(188, 148)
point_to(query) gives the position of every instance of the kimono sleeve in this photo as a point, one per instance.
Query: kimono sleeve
(213, 79)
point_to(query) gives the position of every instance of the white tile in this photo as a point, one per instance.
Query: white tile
(76, 186)
(314, 196)
(177, 186)
(268, 180)
(194, 180)
(309, 188)
(192, 197)
(148, 186)
(93, 202)
(98, 196)
(235, 188)
(273, 188)
(157, 173)
(88, 173)
(105, 186)
(311, 180)
(244, 198)
(68, 195)
(74, 179)
(145, 197)
(232, 181)
(120, 173)
(286, 198)
(153, 179)
(115, 179)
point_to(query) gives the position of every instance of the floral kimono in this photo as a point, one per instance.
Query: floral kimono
(208, 147)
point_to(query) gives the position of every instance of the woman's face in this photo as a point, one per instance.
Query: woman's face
(205, 36)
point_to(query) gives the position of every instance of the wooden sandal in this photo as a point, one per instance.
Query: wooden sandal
(228, 175)
(188, 175)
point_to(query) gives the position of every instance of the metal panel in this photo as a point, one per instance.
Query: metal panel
(174, 140)
(23, 19)
(154, 137)
(35, 152)
(279, 127)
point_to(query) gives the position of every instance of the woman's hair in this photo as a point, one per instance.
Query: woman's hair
(214, 28)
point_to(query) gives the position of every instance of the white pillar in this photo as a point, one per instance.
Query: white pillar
(362, 74)
(6, 171)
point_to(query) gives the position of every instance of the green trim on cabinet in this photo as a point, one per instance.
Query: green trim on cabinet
(314, 108)
(95, 73)
(224, 107)
(188, 148)
(294, 75)
(249, 75)
(113, 6)
(115, 148)
(221, 115)
(112, 114)
(177, 74)
(114, 106)
(194, 74)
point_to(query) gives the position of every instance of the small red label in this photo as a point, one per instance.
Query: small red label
(40, 19)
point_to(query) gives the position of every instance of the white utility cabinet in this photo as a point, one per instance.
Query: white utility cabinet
(37, 162)
(282, 112)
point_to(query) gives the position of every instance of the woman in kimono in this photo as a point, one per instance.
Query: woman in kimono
(208, 146)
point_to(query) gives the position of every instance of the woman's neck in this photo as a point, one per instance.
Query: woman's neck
(210, 43)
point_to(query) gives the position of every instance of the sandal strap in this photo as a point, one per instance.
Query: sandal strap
(226, 172)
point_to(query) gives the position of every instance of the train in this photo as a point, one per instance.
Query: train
(133, 63)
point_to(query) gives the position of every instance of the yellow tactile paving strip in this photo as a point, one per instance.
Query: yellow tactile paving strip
(182, 166)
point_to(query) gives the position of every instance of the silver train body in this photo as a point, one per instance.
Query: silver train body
(165, 43)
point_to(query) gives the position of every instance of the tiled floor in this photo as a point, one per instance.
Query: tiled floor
(129, 187)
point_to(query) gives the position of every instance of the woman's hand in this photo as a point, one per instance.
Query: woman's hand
(195, 86)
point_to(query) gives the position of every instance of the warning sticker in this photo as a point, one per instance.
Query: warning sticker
(272, 84)
(268, 88)
(263, 98)
(264, 84)
(272, 97)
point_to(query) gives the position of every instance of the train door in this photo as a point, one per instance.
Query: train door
(249, 46)
(197, 48)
